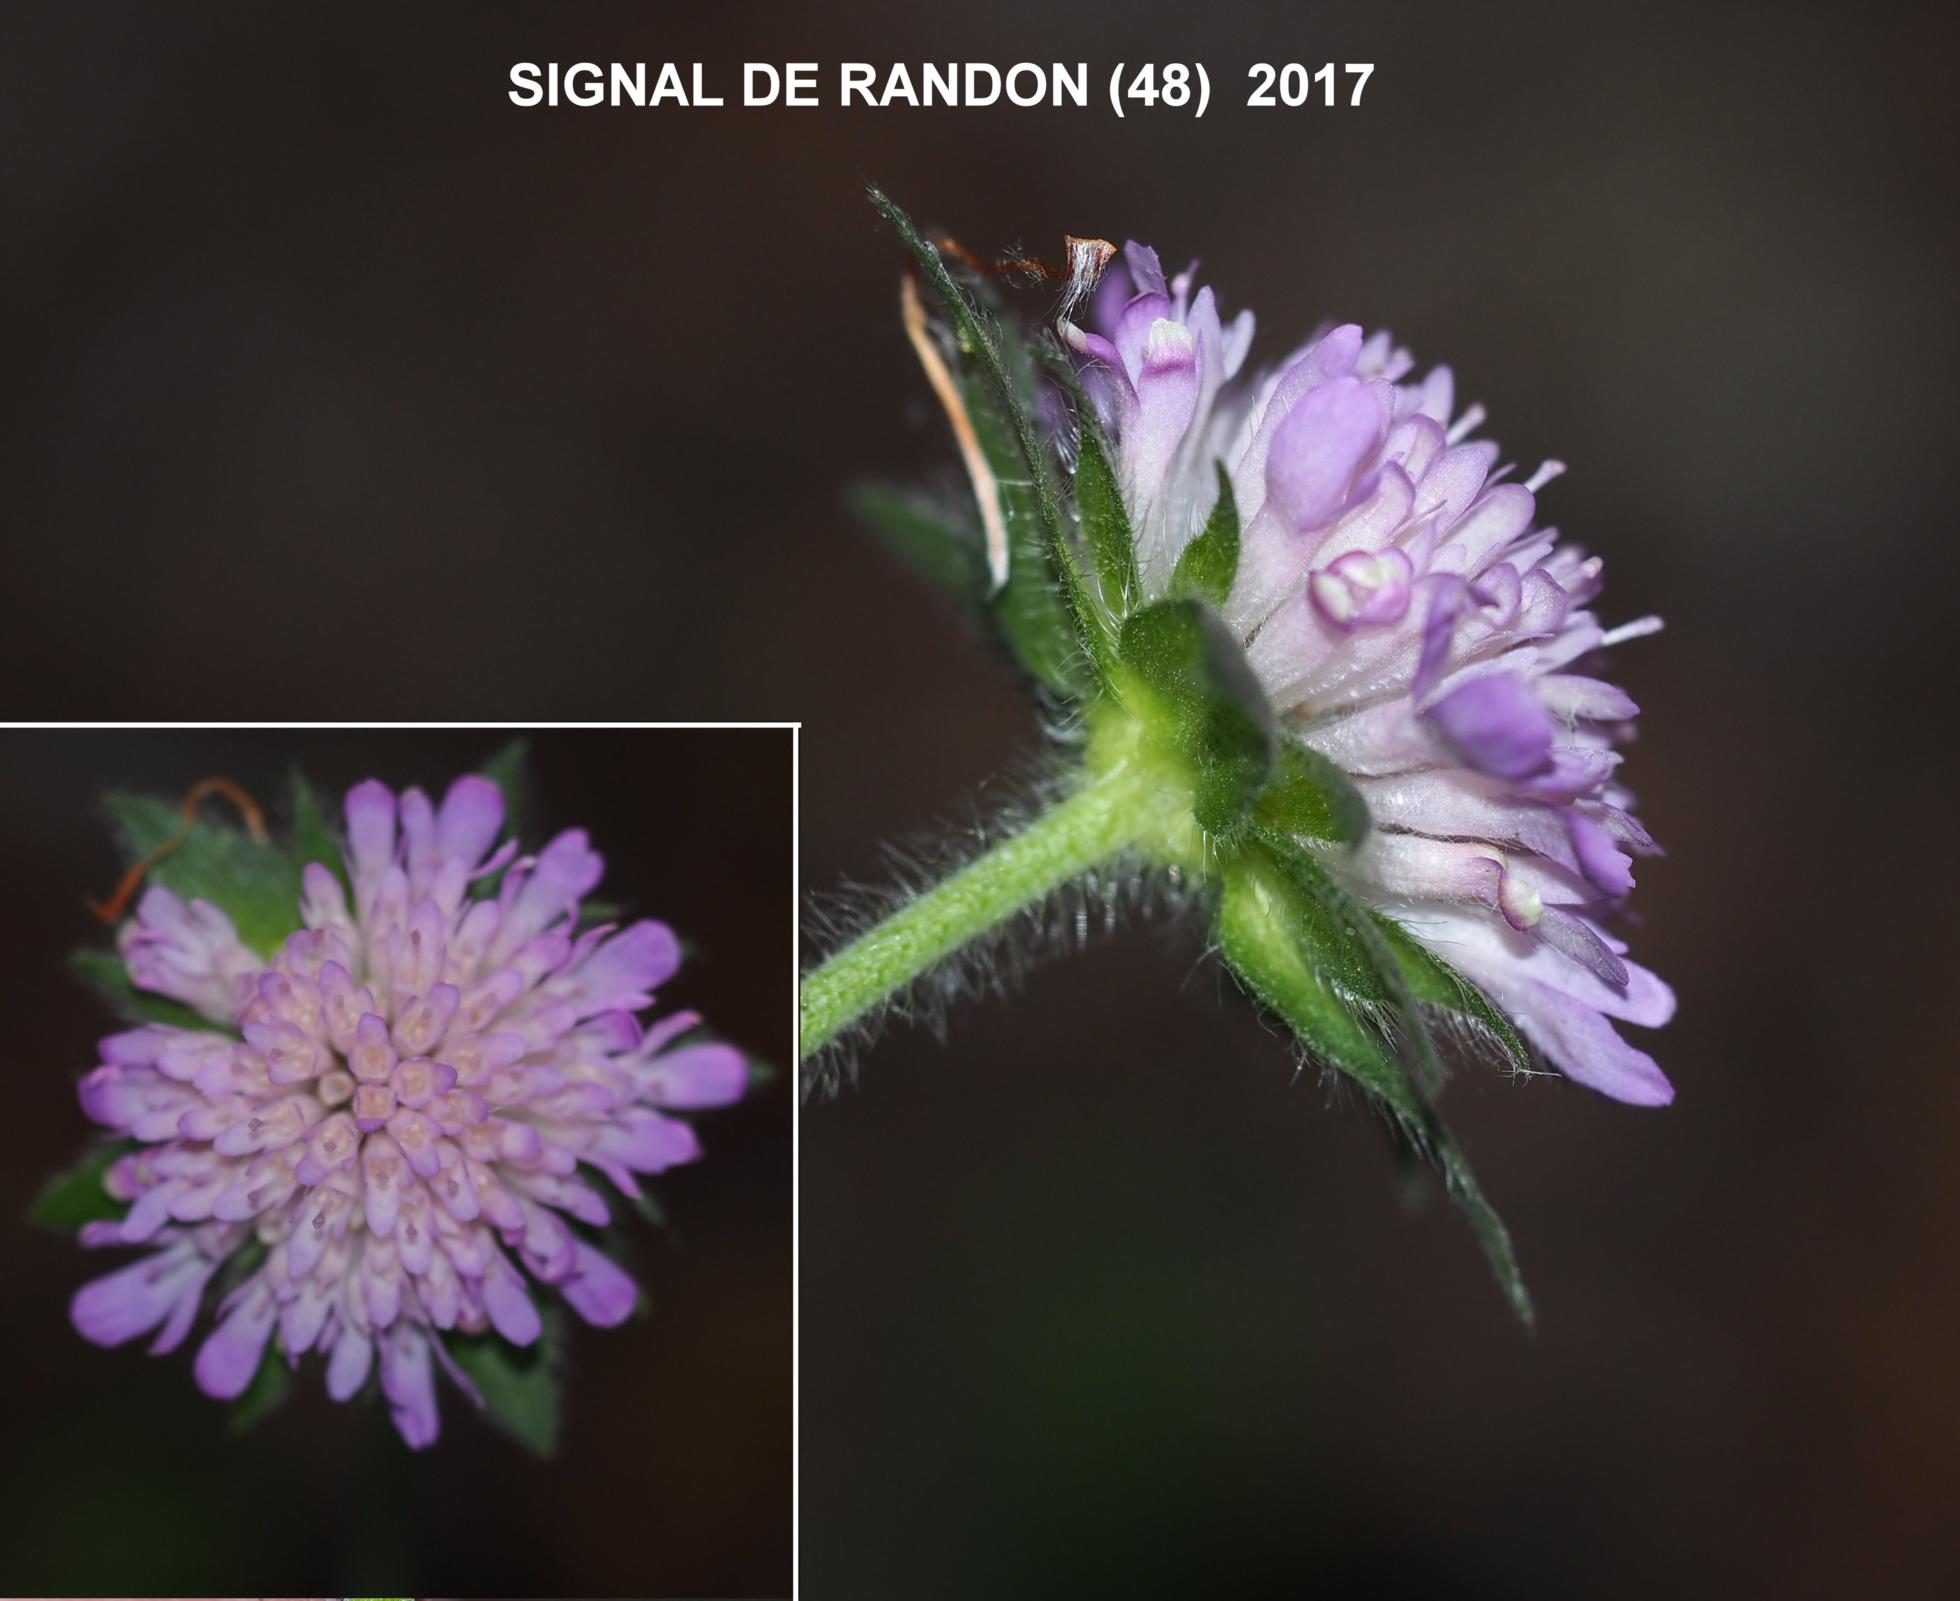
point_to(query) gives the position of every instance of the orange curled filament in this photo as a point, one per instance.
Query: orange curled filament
(1086, 258)
(113, 908)
(1028, 266)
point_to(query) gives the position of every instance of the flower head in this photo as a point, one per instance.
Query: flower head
(1406, 618)
(388, 1132)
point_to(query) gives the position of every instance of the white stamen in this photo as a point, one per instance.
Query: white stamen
(1471, 417)
(1639, 628)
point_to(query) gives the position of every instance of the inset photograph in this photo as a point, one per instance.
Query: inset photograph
(402, 1143)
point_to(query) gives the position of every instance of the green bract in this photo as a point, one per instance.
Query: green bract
(1181, 766)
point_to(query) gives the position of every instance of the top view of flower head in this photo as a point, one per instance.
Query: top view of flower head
(362, 1128)
(422, 1145)
(1313, 653)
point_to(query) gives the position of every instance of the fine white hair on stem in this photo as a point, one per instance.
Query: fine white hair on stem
(1100, 901)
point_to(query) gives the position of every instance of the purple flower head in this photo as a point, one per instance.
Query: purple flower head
(1408, 619)
(400, 1114)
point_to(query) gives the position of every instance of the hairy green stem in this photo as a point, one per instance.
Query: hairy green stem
(1096, 821)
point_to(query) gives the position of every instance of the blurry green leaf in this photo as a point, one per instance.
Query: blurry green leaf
(519, 1385)
(1313, 796)
(314, 839)
(270, 1386)
(1288, 950)
(103, 972)
(1415, 1179)
(1043, 582)
(592, 913)
(256, 886)
(509, 768)
(142, 825)
(76, 1196)
(649, 1209)
(1208, 565)
(916, 528)
(1106, 526)
(1221, 722)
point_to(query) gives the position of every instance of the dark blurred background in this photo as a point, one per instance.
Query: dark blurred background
(673, 1475)
(343, 387)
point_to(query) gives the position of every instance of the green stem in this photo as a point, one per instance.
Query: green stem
(1096, 821)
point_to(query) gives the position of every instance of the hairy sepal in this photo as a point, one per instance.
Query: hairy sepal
(1106, 533)
(1043, 608)
(1207, 566)
(1311, 796)
(1312, 963)
(1201, 698)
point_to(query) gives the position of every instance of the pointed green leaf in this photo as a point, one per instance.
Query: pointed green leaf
(1039, 557)
(142, 824)
(1270, 932)
(917, 529)
(1219, 717)
(1492, 1235)
(592, 913)
(103, 972)
(76, 1196)
(1312, 796)
(1106, 526)
(256, 886)
(314, 839)
(649, 1209)
(509, 768)
(270, 1386)
(519, 1385)
(1208, 565)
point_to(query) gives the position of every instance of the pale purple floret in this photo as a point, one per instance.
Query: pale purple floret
(189, 953)
(1407, 620)
(404, 1118)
